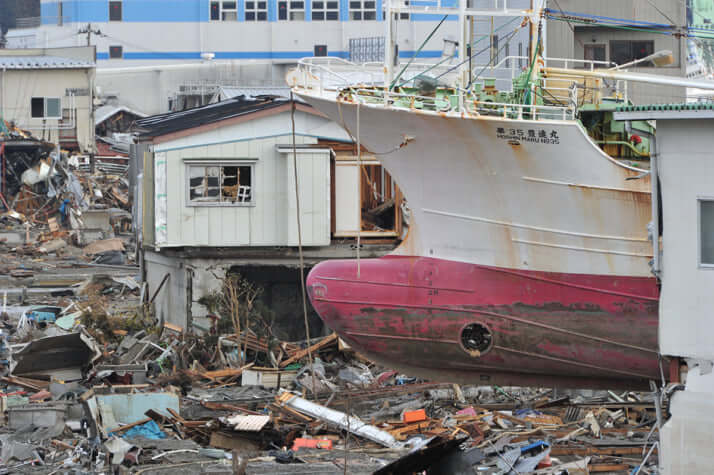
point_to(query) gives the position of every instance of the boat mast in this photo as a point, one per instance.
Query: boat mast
(463, 63)
(388, 53)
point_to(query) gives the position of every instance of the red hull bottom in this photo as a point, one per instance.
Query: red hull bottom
(468, 323)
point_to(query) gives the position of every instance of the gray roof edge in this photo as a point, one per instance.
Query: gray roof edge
(664, 114)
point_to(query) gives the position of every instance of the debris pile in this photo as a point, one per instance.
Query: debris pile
(152, 398)
(91, 382)
(56, 215)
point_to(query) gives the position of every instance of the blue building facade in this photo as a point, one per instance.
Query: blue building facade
(134, 31)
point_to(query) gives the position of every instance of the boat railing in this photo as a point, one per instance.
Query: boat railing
(447, 104)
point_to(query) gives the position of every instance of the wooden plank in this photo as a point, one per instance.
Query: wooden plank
(583, 451)
(608, 467)
(222, 373)
(129, 426)
(314, 348)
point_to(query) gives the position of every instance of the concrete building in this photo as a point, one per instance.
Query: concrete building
(685, 266)
(219, 197)
(575, 39)
(50, 93)
(153, 55)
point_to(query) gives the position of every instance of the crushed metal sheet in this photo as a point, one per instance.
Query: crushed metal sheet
(340, 419)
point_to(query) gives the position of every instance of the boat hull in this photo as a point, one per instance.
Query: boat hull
(522, 231)
(545, 328)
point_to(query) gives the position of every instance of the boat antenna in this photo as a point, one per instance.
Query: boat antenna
(394, 81)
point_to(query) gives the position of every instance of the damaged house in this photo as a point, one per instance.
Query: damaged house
(218, 196)
(49, 92)
(45, 100)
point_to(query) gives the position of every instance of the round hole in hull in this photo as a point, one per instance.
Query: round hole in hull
(476, 338)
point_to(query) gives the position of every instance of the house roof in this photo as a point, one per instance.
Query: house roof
(177, 122)
(43, 62)
(229, 92)
(106, 111)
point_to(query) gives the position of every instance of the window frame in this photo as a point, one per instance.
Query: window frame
(221, 163)
(255, 10)
(361, 10)
(645, 64)
(44, 108)
(289, 10)
(222, 10)
(700, 264)
(324, 10)
(592, 47)
(121, 10)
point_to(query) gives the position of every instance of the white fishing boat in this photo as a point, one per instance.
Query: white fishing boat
(529, 255)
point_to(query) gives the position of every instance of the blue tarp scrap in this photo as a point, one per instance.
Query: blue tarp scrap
(150, 430)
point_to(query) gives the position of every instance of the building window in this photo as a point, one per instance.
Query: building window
(507, 50)
(256, 11)
(220, 184)
(224, 10)
(624, 51)
(328, 11)
(363, 10)
(114, 11)
(60, 14)
(45, 108)
(116, 52)
(293, 11)
(397, 16)
(706, 232)
(594, 53)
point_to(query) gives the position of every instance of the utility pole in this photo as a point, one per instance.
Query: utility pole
(88, 30)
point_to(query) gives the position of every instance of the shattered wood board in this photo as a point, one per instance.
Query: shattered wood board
(114, 244)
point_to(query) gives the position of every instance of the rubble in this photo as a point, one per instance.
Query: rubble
(91, 382)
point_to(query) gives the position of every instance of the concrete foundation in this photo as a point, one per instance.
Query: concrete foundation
(686, 438)
(194, 273)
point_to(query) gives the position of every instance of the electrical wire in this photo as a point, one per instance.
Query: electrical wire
(449, 58)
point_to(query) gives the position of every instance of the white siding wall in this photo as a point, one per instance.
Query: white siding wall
(270, 222)
(686, 169)
(313, 171)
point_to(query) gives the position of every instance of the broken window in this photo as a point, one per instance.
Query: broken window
(256, 11)
(706, 232)
(220, 184)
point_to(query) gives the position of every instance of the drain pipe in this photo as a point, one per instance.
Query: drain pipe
(654, 187)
